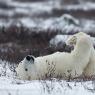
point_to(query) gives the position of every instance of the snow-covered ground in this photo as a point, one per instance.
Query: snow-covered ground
(86, 6)
(40, 14)
(15, 87)
(10, 85)
(65, 23)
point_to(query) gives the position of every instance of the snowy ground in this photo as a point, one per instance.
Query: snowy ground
(39, 14)
(9, 85)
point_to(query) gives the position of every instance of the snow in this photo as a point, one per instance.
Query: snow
(58, 39)
(28, 21)
(83, 6)
(32, 15)
(69, 24)
(6, 12)
(10, 85)
(63, 22)
(88, 25)
(39, 88)
(38, 6)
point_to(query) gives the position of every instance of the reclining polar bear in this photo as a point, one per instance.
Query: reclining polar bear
(65, 64)
(90, 69)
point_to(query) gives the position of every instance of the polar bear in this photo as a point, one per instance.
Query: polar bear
(90, 69)
(59, 63)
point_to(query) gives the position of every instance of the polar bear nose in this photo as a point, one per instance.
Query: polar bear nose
(29, 57)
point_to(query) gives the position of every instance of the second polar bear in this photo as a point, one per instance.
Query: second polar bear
(90, 69)
(60, 63)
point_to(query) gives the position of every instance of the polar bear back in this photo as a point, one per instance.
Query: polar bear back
(65, 64)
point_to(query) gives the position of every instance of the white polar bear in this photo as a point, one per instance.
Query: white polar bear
(60, 63)
(90, 69)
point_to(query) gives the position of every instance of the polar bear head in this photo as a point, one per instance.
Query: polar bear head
(26, 68)
(73, 39)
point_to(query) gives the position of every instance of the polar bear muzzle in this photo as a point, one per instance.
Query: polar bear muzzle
(30, 58)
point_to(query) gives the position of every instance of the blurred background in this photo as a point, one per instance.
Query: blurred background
(41, 27)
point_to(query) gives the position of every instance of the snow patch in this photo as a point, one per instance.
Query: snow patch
(65, 22)
(83, 6)
(58, 39)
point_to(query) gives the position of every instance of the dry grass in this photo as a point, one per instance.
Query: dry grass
(17, 42)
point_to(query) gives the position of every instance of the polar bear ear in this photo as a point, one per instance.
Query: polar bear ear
(30, 57)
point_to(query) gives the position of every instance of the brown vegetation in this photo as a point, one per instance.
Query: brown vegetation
(17, 42)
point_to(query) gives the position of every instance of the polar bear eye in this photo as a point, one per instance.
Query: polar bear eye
(26, 69)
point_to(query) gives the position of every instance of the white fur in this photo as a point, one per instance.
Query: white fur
(65, 64)
(90, 69)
